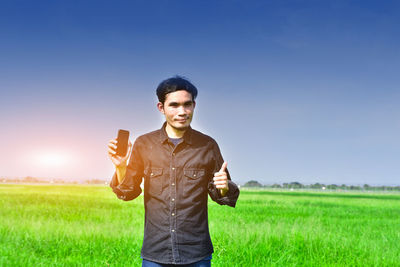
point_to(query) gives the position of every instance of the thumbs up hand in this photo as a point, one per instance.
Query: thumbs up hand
(221, 179)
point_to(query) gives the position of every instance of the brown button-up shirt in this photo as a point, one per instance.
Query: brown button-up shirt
(177, 182)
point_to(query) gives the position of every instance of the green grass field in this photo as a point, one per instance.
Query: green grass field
(70, 225)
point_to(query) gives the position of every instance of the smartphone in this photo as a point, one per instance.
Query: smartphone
(122, 142)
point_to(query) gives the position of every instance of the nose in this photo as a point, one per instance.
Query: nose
(181, 111)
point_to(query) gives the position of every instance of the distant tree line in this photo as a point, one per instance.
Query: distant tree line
(250, 184)
(297, 185)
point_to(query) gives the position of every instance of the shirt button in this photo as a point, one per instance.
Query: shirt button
(194, 175)
(173, 184)
(151, 174)
(173, 168)
(173, 230)
(173, 214)
(173, 199)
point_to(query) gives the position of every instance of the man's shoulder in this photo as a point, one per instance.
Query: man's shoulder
(199, 136)
(149, 135)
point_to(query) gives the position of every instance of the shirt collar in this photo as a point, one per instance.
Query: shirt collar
(187, 137)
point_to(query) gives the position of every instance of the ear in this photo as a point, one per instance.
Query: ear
(160, 107)
(194, 104)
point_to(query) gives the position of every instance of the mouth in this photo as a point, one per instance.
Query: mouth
(181, 120)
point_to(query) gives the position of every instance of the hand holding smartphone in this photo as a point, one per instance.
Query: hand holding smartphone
(117, 151)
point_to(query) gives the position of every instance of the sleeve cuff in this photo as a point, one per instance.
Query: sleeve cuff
(229, 199)
(114, 181)
(123, 191)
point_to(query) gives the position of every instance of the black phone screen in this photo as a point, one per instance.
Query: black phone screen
(122, 142)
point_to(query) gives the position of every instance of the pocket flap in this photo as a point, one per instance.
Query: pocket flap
(194, 173)
(154, 172)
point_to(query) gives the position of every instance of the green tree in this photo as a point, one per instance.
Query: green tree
(252, 183)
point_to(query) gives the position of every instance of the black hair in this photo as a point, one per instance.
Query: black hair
(174, 84)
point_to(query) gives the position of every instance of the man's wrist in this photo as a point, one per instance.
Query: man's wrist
(121, 171)
(223, 191)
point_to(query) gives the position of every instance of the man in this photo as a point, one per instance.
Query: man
(180, 167)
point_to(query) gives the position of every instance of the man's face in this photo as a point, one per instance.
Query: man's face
(178, 109)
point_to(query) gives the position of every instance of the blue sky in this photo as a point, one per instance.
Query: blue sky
(302, 91)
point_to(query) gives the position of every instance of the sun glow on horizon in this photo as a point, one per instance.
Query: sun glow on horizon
(52, 159)
(60, 162)
(49, 162)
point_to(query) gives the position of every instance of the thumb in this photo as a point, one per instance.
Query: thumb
(223, 168)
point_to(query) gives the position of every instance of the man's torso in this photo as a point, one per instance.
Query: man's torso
(176, 182)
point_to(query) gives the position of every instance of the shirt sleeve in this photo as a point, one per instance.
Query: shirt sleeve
(129, 188)
(232, 195)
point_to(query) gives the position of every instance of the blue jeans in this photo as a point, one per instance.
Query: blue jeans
(206, 262)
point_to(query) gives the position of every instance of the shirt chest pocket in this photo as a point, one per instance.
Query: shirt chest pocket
(194, 181)
(154, 181)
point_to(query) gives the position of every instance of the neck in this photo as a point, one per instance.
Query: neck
(173, 132)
